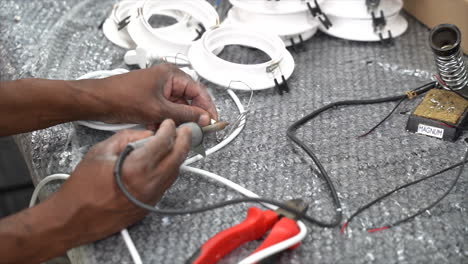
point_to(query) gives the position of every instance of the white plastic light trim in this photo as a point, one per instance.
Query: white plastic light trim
(129, 8)
(144, 58)
(234, 75)
(351, 19)
(110, 27)
(274, 7)
(357, 9)
(286, 26)
(179, 38)
(363, 30)
(305, 36)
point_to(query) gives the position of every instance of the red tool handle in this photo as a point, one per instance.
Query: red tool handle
(282, 230)
(253, 227)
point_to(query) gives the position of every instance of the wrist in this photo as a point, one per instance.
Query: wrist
(89, 100)
(36, 234)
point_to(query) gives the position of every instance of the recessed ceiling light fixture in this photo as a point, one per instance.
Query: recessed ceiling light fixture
(354, 20)
(197, 17)
(240, 76)
(293, 21)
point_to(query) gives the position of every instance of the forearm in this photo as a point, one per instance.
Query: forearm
(31, 104)
(36, 234)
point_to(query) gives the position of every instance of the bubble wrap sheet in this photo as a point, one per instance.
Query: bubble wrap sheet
(61, 39)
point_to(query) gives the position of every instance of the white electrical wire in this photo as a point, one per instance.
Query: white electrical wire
(124, 232)
(131, 246)
(42, 183)
(277, 247)
(267, 251)
(251, 259)
(229, 139)
(224, 181)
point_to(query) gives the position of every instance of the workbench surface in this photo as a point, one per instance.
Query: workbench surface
(61, 39)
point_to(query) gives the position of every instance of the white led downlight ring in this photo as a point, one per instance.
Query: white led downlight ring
(306, 31)
(351, 20)
(234, 75)
(110, 27)
(179, 38)
(287, 19)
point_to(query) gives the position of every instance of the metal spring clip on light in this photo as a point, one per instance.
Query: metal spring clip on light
(317, 11)
(280, 87)
(379, 23)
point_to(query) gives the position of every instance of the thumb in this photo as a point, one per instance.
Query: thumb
(181, 113)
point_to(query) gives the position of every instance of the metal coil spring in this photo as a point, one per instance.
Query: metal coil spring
(452, 70)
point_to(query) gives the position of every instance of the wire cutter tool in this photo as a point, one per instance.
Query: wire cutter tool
(281, 223)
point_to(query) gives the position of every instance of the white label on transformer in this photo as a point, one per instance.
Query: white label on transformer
(430, 131)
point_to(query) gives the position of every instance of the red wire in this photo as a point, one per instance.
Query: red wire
(343, 227)
(440, 80)
(446, 125)
(377, 229)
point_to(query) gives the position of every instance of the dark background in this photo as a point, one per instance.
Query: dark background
(15, 183)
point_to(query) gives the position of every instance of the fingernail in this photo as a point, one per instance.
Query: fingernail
(204, 120)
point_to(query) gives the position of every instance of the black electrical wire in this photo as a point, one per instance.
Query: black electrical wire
(457, 93)
(292, 136)
(389, 114)
(419, 212)
(443, 84)
(385, 118)
(118, 178)
(323, 173)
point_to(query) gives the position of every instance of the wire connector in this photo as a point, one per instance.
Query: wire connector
(411, 94)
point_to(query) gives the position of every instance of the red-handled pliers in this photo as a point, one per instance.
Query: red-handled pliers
(282, 224)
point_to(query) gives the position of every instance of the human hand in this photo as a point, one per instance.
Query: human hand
(96, 206)
(149, 96)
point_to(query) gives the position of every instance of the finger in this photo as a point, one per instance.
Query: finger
(203, 99)
(158, 146)
(182, 86)
(179, 101)
(151, 127)
(187, 113)
(120, 140)
(172, 162)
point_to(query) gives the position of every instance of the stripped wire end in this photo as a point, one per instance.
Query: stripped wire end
(218, 126)
(343, 227)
